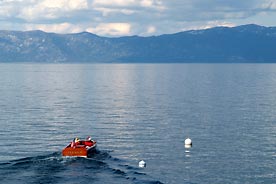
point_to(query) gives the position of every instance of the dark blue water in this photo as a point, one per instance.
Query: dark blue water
(139, 111)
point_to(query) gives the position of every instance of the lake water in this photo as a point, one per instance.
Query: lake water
(135, 112)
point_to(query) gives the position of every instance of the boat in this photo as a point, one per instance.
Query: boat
(81, 148)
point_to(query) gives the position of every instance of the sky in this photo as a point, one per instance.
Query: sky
(114, 18)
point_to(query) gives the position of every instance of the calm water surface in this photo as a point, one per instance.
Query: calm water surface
(139, 111)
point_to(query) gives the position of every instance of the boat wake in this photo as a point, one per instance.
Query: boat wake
(100, 167)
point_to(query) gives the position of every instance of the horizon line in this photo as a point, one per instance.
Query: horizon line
(81, 32)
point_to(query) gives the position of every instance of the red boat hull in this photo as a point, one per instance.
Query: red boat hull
(78, 151)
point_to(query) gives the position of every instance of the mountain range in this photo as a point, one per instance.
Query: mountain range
(247, 43)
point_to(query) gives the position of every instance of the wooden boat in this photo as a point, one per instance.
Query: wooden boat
(82, 149)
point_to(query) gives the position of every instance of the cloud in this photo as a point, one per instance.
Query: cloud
(55, 28)
(114, 3)
(49, 9)
(111, 29)
(198, 10)
(66, 5)
(146, 3)
(269, 5)
(151, 29)
(126, 7)
(109, 11)
(125, 17)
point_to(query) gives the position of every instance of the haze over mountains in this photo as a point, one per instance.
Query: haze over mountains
(248, 43)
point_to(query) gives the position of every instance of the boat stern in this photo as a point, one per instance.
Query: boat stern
(74, 152)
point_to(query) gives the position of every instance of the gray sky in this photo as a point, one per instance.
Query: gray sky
(132, 17)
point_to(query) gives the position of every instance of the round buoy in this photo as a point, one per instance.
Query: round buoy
(188, 141)
(142, 163)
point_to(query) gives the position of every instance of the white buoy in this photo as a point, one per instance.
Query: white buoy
(187, 146)
(188, 142)
(142, 163)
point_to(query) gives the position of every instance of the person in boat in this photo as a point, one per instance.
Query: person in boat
(88, 142)
(89, 138)
(75, 142)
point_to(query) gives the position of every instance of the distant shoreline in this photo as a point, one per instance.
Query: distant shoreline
(242, 44)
